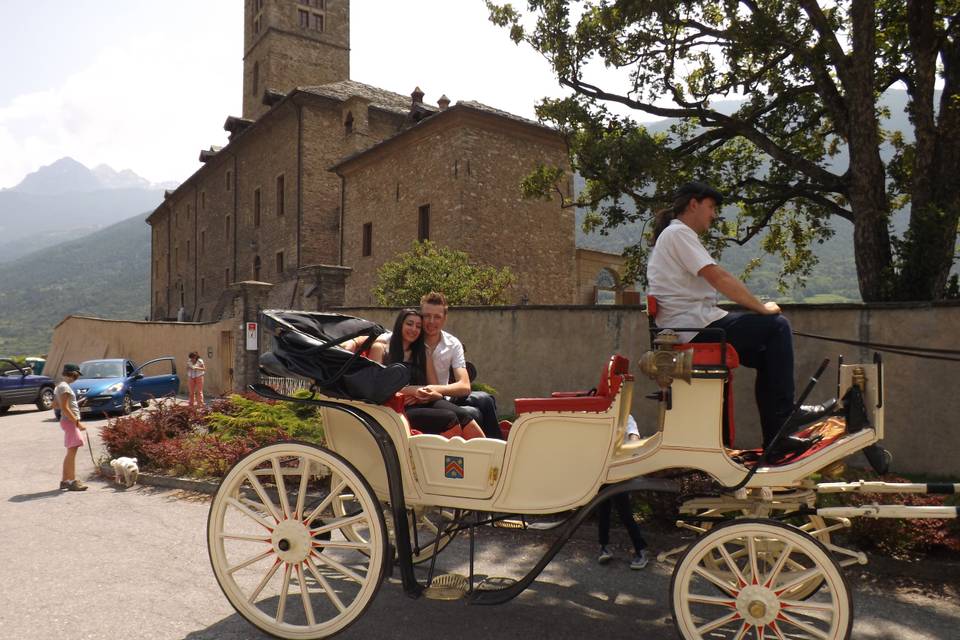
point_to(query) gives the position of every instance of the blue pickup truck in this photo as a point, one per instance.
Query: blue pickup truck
(18, 385)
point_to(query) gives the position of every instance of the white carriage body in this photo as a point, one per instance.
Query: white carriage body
(555, 461)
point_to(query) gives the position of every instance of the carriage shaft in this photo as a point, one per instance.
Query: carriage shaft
(890, 511)
(862, 486)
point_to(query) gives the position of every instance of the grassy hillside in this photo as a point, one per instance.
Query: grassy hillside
(105, 274)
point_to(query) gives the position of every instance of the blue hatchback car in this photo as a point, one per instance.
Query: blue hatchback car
(117, 385)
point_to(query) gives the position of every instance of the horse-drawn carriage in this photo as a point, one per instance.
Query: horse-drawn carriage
(301, 536)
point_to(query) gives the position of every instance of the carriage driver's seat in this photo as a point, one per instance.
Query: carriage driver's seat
(706, 353)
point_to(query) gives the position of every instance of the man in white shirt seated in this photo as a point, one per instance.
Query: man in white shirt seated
(448, 355)
(687, 281)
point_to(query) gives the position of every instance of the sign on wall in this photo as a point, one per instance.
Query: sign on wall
(251, 336)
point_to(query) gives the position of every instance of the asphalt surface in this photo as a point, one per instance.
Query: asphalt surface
(115, 564)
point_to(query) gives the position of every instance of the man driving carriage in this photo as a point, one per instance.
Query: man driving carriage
(686, 280)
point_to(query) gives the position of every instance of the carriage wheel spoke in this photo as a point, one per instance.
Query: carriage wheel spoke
(806, 604)
(345, 544)
(244, 537)
(302, 491)
(333, 564)
(326, 501)
(266, 578)
(778, 567)
(284, 591)
(327, 589)
(260, 491)
(752, 559)
(340, 523)
(732, 565)
(305, 596)
(806, 628)
(742, 632)
(719, 622)
(247, 511)
(776, 630)
(281, 487)
(714, 600)
(250, 561)
(718, 581)
(796, 580)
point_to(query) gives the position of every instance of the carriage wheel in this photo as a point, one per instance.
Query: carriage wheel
(812, 524)
(428, 521)
(755, 598)
(280, 551)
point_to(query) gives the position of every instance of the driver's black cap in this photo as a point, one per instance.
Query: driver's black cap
(698, 190)
(69, 369)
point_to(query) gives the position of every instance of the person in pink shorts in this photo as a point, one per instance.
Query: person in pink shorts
(70, 423)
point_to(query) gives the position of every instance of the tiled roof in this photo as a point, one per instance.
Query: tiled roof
(346, 89)
(499, 112)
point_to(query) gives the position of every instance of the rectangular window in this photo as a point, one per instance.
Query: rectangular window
(318, 22)
(256, 25)
(229, 180)
(256, 79)
(280, 263)
(423, 223)
(203, 200)
(367, 239)
(226, 278)
(203, 286)
(226, 227)
(189, 212)
(203, 240)
(280, 195)
(256, 207)
(176, 257)
(188, 249)
(304, 18)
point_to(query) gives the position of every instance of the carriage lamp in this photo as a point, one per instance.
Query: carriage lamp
(663, 364)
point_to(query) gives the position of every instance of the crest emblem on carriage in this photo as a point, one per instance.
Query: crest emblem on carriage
(453, 467)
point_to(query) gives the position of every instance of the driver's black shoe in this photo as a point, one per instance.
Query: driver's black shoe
(810, 413)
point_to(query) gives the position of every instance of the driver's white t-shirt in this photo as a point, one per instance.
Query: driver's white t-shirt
(684, 299)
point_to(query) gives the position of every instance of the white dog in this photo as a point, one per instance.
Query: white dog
(126, 467)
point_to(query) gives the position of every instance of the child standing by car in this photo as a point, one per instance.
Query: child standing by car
(625, 511)
(195, 372)
(70, 423)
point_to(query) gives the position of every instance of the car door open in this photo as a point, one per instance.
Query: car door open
(155, 379)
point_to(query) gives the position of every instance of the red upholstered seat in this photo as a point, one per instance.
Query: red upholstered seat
(396, 403)
(614, 373)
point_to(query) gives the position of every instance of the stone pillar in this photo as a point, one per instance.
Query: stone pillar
(250, 299)
(324, 286)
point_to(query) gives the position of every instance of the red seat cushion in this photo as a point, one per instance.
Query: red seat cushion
(614, 373)
(707, 353)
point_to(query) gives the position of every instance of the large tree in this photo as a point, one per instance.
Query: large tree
(811, 77)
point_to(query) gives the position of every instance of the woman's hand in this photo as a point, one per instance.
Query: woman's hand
(428, 394)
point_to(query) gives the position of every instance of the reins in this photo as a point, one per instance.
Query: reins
(899, 349)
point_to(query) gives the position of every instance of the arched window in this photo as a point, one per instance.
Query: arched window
(605, 287)
(348, 122)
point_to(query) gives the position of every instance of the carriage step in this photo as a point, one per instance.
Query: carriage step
(449, 586)
(495, 583)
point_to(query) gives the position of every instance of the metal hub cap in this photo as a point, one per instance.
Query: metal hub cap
(758, 605)
(291, 541)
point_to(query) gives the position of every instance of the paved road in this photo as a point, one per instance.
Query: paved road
(118, 564)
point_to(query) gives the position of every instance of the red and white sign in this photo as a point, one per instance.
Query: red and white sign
(251, 336)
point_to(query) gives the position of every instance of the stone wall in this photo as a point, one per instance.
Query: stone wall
(531, 351)
(467, 168)
(77, 339)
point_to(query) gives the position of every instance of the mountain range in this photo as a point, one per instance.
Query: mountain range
(67, 200)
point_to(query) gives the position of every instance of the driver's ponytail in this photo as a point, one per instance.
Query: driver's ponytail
(663, 217)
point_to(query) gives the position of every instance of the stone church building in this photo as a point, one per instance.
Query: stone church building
(324, 179)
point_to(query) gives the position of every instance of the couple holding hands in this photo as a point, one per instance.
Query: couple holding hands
(438, 399)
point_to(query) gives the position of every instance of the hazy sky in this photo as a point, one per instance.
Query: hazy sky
(145, 85)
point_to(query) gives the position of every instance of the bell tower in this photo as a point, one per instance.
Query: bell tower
(292, 43)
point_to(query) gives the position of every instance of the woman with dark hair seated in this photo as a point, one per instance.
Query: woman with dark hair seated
(426, 410)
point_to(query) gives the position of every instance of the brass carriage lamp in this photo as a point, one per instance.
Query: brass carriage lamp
(664, 364)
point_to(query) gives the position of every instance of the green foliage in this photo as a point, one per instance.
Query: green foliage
(428, 267)
(780, 154)
(206, 442)
(486, 388)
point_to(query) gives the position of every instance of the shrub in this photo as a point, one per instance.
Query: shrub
(203, 442)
